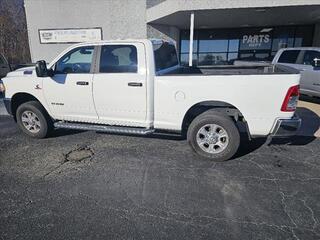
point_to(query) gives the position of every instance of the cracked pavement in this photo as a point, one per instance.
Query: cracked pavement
(155, 188)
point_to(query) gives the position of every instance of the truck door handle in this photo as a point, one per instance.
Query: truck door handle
(82, 83)
(135, 84)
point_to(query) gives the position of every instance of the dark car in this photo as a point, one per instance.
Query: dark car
(4, 66)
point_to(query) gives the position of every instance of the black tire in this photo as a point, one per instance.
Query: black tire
(41, 115)
(226, 123)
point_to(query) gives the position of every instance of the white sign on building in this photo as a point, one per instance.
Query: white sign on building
(69, 35)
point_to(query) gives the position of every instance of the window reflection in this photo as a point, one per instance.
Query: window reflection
(209, 59)
(234, 45)
(232, 57)
(256, 39)
(283, 37)
(223, 46)
(213, 45)
(184, 59)
(185, 46)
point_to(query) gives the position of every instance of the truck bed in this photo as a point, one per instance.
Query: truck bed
(232, 70)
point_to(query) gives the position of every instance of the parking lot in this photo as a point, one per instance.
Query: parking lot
(88, 185)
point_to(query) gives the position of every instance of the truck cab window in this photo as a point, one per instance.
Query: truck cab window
(76, 61)
(165, 56)
(118, 59)
(289, 56)
(309, 57)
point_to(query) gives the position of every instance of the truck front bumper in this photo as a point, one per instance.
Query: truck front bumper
(286, 127)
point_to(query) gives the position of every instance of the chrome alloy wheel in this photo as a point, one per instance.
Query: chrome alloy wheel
(212, 138)
(31, 121)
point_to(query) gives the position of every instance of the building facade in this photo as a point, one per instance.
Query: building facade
(224, 30)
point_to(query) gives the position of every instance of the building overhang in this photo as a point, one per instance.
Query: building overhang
(237, 17)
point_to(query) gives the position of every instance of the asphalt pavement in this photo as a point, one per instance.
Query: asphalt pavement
(88, 185)
(3, 110)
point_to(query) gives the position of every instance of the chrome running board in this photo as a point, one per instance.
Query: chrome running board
(103, 128)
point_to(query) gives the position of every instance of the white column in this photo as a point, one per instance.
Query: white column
(191, 39)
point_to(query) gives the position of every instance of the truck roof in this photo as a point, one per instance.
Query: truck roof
(154, 41)
(110, 41)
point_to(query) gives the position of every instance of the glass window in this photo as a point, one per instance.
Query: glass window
(232, 57)
(208, 59)
(283, 37)
(165, 55)
(246, 56)
(213, 45)
(289, 56)
(256, 39)
(262, 56)
(273, 54)
(303, 36)
(213, 41)
(76, 61)
(249, 44)
(185, 37)
(185, 46)
(234, 45)
(118, 59)
(309, 57)
(184, 59)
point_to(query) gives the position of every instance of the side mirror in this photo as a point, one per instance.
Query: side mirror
(316, 63)
(41, 69)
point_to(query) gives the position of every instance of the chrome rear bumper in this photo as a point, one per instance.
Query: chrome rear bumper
(286, 127)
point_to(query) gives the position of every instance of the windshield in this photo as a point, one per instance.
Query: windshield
(165, 55)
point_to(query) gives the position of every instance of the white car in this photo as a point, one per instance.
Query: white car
(138, 87)
(307, 61)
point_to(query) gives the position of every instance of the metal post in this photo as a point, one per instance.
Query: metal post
(191, 39)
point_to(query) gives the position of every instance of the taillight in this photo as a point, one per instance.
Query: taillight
(291, 100)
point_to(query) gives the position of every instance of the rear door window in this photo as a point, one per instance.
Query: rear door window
(118, 59)
(309, 57)
(289, 56)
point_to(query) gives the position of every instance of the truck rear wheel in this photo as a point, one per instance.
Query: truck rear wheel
(214, 135)
(33, 119)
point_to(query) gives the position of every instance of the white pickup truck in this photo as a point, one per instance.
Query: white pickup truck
(138, 87)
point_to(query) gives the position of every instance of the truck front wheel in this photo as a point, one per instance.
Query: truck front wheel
(33, 119)
(214, 135)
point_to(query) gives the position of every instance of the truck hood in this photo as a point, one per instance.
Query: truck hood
(26, 71)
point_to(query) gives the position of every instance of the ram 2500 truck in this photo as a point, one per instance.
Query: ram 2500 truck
(138, 87)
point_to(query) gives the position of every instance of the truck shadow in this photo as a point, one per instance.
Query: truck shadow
(247, 147)
(155, 135)
(310, 122)
(309, 128)
(63, 132)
